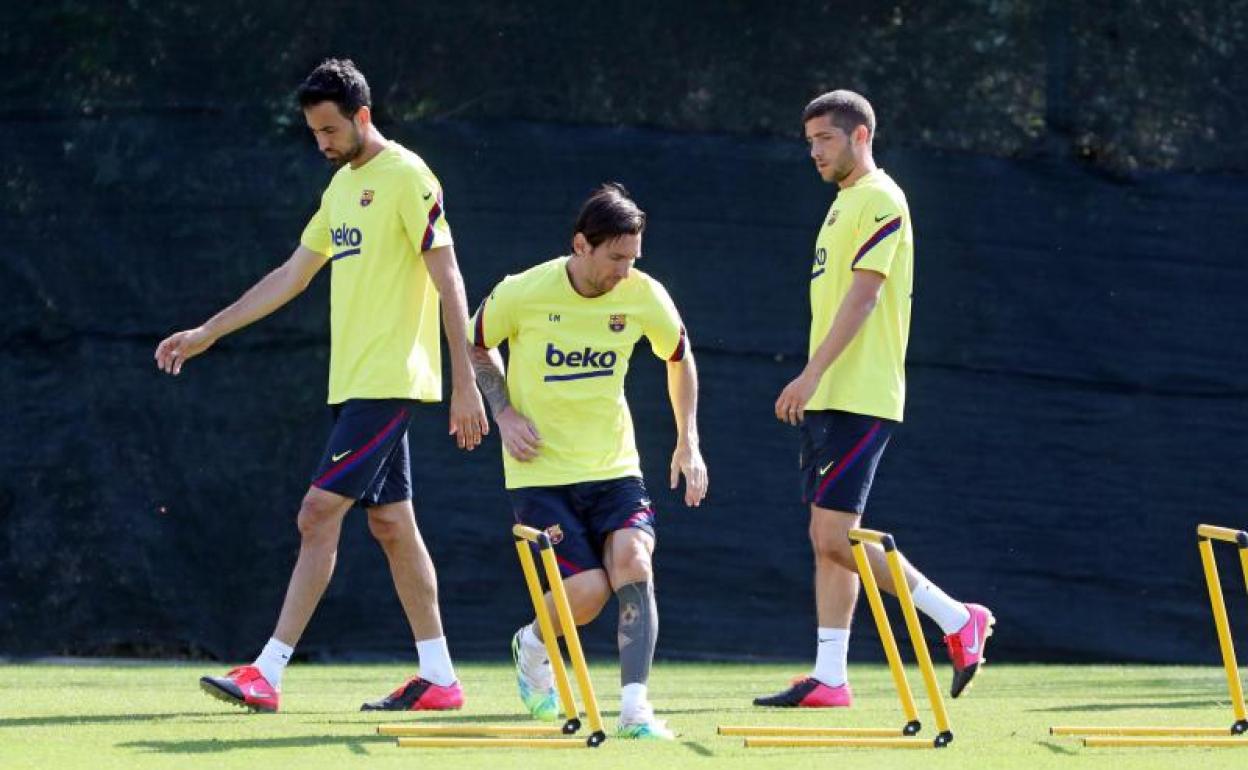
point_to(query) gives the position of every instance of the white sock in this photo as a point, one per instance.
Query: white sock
(435, 662)
(272, 661)
(831, 655)
(632, 700)
(534, 661)
(950, 615)
(533, 649)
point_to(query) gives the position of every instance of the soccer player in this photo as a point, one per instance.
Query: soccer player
(849, 398)
(382, 228)
(570, 462)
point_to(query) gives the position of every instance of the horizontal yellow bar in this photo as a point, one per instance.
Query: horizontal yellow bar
(528, 533)
(810, 732)
(492, 743)
(1222, 533)
(868, 536)
(1144, 741)
(845, 743)
(1094, 731)
(469, 729)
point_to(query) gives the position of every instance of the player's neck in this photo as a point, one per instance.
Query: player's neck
(576, 277)
(374, 143)
(862, 169)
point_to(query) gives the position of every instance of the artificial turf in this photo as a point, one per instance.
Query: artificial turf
(135, 716)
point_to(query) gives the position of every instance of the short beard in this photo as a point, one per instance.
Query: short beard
(841, 173)
(357, 147)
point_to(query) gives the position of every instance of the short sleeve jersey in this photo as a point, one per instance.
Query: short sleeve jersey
(373, 225)
(867, 228)
(568, 356)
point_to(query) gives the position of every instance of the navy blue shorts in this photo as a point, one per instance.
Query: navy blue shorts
(578, 517)
(840, 451)
(366, 457)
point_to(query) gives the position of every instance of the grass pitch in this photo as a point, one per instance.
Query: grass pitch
(140, 716)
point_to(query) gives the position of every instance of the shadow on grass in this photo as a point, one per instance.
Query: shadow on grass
(96, 719)
(697, 748)
(355, 743)
(1098, 707)
(1057, 748)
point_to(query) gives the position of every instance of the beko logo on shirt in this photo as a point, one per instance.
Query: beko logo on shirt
(346, 236)
(596, 363)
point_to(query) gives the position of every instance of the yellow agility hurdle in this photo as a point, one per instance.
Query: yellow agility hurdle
(1206, 534)
(904, 737)
(528, 735)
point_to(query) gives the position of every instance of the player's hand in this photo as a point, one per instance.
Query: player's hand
(468, 421)
(520, 436)
(178, 348)
(687, 459)
(791, 406)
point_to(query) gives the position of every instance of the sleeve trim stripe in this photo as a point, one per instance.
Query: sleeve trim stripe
(478, 329)
(435, 213)
(679, 353)
(880, 235)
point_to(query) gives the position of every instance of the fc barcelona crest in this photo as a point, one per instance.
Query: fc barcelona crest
(555, 533)
(617, 322)
(366, 197)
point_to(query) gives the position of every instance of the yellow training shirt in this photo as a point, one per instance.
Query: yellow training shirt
(568, 356)
(373, 225)
(867, 228)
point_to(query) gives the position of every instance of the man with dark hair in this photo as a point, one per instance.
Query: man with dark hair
(850, 396)
(570, 460)
(382, 228)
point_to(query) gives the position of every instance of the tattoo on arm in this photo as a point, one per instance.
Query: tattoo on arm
(490, 380)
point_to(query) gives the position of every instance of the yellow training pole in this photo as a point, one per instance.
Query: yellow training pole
(917, 639)
(840, 743)
(572, 638)
(1140, 731)
(1144, 742)
(1223, 626)
(810, 732)
(468, 729)
(895, 667)
(491, 743)
(549, 638)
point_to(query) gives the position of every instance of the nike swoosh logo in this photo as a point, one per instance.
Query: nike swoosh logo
(824, 470)
(426, 197)
(336, 458)
(882, 217)
(256, 692)
(974, 648)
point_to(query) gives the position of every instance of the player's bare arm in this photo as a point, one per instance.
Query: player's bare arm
(267, 295)
(682, 389)
(519, 434)
(467, 419)
(859, 301)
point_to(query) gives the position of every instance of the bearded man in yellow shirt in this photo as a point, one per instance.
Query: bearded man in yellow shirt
(851, 395)
(382, 228)
(569, 459)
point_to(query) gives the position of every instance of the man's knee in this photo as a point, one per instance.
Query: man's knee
(630, 557)
(588, 593)
(320, 517)
(830, 540)
(390, 525)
